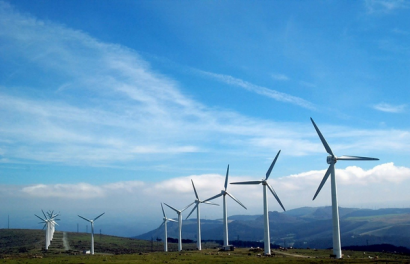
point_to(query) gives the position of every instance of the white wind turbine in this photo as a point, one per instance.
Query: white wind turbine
(49, 222)
(53, 223)
(179, 212)
(225, 209)
(46, 226)
(265, 185)
(331, 160)
(164, 222)
(92, 230)
(198, 216)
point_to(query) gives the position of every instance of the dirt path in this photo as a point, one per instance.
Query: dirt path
(65, 241)
(289, 254)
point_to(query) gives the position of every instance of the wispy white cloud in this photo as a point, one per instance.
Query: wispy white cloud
(280, 77)
(390, 108)
(103, 104)
(70, 191)
(282, 97)
(400, 31)
(385, 6)
(307, 84)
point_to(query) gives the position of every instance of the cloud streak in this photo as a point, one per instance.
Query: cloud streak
(278, 96)
(385, 6)
(388, 108)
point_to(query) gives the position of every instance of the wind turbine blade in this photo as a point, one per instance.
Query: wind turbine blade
(98, 216)
(45, 217)
(163, 211)
(193, 209)
(40, 218)
(271, 166)
(84, 218)
(172, 208)
(213, 197)
(276, 196)
(186, 207)
(226, 177)
(196, 194)
(324, 180)
(236, 200)
(355, 158)
(44, 226)
(163, 222)
(210, 203)
(328, 150)
(247, 182)
(172, 220)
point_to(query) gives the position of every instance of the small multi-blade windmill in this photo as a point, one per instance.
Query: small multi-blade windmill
(331, 160)
(225, 209)
(198, 216)
(265, 185)
(49, 225)
(164, 222)
(92, 230)
(179, 212)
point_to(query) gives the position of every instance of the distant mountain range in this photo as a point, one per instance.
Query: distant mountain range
(306, 227)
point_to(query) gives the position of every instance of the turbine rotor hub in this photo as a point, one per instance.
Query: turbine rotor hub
(331, 159)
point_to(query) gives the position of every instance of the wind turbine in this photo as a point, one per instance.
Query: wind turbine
(331, 160)
(198, 217)
(164, 222)
(53, 223)
(179, 212)
(49, 222)
(46, 226)
(92, 230)
(225, 209)
(265, 185)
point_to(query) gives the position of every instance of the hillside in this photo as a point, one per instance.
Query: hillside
(306, 227)
(17, 241)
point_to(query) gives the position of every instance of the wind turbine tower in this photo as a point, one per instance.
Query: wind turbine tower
(92, 230)
(198, 216)
(266, 185)
(179, 212)
(225, 209)
(331, 160)
(164, 222)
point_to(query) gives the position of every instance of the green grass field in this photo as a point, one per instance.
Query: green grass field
(206, 256)
(25, 246)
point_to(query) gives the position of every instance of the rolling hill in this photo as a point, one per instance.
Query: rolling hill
(306, 227)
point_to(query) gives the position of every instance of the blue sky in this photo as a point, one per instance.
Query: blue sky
(105, 103)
